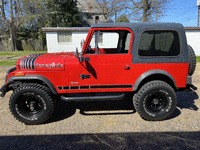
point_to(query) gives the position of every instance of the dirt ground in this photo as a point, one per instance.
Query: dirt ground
(104, 125)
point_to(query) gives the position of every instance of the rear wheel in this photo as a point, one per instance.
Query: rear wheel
(31, 104)
(192, 60)
(155, 101)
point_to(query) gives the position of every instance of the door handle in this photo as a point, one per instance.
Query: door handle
(127, 67)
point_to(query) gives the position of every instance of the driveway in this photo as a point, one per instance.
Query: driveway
(104, 125)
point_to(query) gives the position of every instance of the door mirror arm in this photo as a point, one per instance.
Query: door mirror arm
(81, 58)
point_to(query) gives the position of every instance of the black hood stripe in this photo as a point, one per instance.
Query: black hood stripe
(28, 62)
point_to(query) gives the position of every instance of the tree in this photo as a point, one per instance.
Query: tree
(37, 18)
(112, 7)
(62, 13)
(146, 10)
(122, 18)
(13, 21)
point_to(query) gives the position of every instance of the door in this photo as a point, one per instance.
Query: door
(110, 58)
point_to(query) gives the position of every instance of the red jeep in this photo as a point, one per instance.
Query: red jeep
(151, 61)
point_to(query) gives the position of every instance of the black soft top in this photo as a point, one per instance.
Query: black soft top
(141, 26)
(138, 28)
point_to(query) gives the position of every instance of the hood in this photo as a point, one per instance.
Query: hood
(45, 62)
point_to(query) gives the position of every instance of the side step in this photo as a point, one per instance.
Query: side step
(93, 98)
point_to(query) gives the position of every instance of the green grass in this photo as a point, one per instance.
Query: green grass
(8, 63)
(21, 53)
(16, 53)
(198, 58)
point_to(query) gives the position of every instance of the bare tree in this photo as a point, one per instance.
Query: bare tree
(146, 10)
(112, 7)
(13, 21)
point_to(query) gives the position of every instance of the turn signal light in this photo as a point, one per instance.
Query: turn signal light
(19, 74)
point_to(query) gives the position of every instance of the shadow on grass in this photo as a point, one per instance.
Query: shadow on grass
(110, 141)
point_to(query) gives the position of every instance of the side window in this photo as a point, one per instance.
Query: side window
(128, 40)
(110, 42)
(105, 40)
(159, 43)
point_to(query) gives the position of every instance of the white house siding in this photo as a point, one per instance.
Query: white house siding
(110, 40)
(193, 39)
(53, 45)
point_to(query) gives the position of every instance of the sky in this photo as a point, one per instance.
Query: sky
(181, 11)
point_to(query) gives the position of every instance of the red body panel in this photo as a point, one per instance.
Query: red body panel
(108, 72)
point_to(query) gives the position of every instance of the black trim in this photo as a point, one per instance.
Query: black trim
(74, 87)
(60, 87)
(33, 77)
(96, 87)
(84, 76)
(9, 71)
(152, 72)
(65, 87)
(93, 98)
(33, 66)
(110, 86)
(84, 87)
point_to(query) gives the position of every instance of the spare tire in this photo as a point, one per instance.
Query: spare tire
(192, 60)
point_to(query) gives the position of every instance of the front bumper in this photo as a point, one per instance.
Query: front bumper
(5, 88)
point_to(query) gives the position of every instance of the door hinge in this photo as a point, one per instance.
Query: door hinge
(84, 76)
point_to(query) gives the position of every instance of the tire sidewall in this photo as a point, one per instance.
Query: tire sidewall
(35, 119)
(192, 60)
(165, 111)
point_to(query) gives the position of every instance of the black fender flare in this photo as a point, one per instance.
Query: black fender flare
(152, 72)
(33, 77)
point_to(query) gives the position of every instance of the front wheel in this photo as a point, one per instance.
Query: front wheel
(156, 100)
(31, 104)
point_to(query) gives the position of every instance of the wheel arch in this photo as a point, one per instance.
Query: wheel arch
(155, 74)
(35, 78)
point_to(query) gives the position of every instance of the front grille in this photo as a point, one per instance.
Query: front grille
(28, 62)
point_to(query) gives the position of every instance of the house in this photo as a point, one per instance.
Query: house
(92, 12)
(61, 39)
(193, 38)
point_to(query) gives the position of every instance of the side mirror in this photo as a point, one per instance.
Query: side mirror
(81, 58)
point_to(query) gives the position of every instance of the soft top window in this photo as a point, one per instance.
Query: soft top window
(159, 43)
(109, 42)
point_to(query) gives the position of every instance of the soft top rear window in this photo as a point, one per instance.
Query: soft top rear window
(159, 43)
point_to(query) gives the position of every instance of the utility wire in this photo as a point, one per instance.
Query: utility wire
(183, 12)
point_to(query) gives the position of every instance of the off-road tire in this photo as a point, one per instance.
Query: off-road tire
(155, 101)
(192, 60)
(31, 103)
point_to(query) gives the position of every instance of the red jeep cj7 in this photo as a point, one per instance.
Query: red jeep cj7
(151, 61)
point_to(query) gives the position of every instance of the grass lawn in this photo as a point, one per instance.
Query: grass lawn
(21, 53)
(198, 58)
(16, 53)
(8, 62)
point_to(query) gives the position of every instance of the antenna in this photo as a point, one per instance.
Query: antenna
(198, 5)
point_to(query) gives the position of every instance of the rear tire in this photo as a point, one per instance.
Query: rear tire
(31, 104)
(192, 60)
(155, 101)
